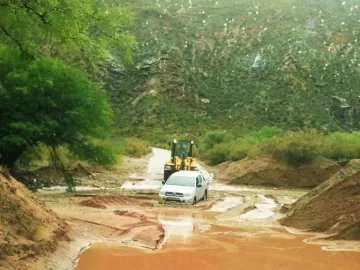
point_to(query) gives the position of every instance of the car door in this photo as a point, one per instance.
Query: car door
(205, 185)
(199, 193)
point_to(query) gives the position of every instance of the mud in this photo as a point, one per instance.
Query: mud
(220, 248)
(236, 228)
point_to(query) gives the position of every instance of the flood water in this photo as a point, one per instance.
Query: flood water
(196, 244)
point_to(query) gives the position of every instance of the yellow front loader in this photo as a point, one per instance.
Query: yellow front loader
(181, 158)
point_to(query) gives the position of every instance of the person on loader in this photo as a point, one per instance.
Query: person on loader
(182, 152)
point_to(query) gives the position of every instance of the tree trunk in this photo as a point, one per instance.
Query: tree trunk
(9, 157)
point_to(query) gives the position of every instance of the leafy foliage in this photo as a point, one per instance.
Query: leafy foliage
(70, 29)
(296, 148)
(219, 146)
(136, 147)
(49, 102)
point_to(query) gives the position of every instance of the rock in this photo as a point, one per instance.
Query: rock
(266, 170)
(205, 100)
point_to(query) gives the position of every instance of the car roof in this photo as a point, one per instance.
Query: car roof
(187, 173)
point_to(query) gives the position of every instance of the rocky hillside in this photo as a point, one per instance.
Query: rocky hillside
(287, 63)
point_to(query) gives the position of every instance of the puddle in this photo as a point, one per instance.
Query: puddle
(263, 210)
(226, 204)
(214, 252)
(223, 187)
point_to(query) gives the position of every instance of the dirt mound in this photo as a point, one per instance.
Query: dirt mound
(27, 227)
(102, 201)
(131, 214)
(333, 207)
(93, 204)
(266, 170)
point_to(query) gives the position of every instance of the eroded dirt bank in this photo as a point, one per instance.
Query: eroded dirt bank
(28, 229)
(266, 170)
(333, 207)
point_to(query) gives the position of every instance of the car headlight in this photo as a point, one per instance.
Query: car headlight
(162, 193)
(168, 167)
(187, 194)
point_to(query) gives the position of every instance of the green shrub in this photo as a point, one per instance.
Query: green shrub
(296, 148)
(261, 135)
(218, 154)
(341, 146)
(135, 147)
(219, 146)
(213, 138)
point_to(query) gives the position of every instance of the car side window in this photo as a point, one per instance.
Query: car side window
(202, 177)
(198, 180)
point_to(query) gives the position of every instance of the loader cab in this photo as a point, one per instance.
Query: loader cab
(182, 148)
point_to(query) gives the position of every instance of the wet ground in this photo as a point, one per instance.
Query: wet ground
(194, 241)
(236, 228)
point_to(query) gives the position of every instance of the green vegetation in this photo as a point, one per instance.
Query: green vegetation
(46, 101)
(241, 63)
(200, 67)
(136, 147)
(83, 31)
(295, 148)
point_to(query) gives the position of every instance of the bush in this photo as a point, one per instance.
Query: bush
(213, 138)
(136, 147)
(261, 135)
(219, 146)
(219, 153)
(342, 146)
(296, 148)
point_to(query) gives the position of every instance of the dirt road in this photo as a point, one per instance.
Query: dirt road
(236, 228)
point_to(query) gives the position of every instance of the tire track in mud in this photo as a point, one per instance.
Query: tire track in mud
(96, 223)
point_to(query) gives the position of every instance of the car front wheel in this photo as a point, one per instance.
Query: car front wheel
(194, 201)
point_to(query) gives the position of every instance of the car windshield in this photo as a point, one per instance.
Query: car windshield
(184, 181)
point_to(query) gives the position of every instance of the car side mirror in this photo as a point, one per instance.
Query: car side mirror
(198, 185)
(163, 182)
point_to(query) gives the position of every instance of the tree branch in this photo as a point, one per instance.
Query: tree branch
(13, 39)
(33, 10)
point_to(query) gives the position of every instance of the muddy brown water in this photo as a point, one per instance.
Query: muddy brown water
(193, 243)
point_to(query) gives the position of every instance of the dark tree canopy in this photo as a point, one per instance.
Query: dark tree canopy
(50, 102)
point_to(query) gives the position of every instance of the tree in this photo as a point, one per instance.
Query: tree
(47, 101)
(70, 29)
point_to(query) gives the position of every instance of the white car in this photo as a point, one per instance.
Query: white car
(185, 187)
